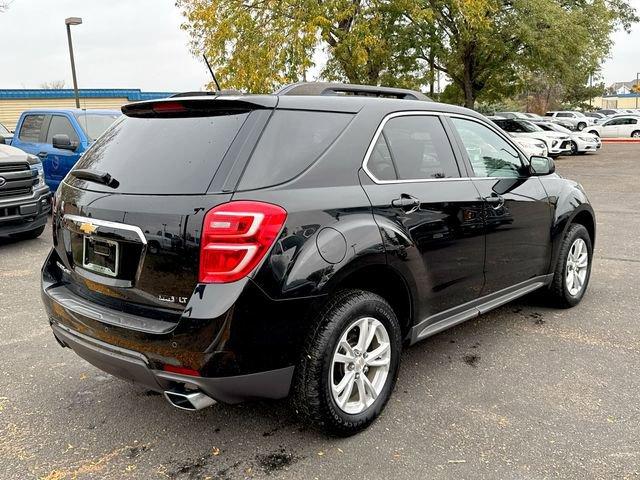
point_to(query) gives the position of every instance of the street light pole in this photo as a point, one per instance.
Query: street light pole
(68, 22)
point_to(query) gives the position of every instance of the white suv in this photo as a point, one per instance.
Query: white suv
(578, 119)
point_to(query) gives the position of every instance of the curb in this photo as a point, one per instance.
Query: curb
(620, 140)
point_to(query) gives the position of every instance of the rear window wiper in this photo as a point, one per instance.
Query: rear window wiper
(95, 176)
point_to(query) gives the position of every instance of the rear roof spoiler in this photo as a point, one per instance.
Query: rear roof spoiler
(330, 88)
(198, 106)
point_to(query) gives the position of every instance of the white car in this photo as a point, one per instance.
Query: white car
(557, 143)
(618, 127)
(581, 142)
(531, 146)
(578, 119)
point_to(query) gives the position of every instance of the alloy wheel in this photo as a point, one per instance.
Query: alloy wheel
(360, 365)
(577, 267)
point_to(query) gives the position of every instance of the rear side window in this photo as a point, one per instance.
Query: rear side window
(61, 125)
(413, 147)
(162, 155)
(290, 143)
(31, 128)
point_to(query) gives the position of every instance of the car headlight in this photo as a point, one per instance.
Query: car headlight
(38, 171)
(587, 139)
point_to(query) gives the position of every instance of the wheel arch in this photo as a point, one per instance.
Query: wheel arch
(383, 280)
(585, 218)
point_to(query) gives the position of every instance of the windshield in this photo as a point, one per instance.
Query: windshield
(560, 128)
(3, 129)
(94, 124)
(529, 127)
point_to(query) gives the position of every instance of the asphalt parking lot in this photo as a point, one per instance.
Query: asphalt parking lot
(525, 392)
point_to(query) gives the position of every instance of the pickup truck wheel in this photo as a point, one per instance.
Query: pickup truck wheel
(349, 363)
(573, 268)
(31, 234)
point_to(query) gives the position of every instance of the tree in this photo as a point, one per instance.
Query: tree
(52, 85)
(488, 48)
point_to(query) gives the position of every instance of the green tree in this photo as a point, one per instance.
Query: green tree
(488, 48)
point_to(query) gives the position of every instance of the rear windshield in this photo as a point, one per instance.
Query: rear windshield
(162, 155)
(94, 124)
(291, 142)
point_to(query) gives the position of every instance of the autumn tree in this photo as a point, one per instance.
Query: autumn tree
(487, 48)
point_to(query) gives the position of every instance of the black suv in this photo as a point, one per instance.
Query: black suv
(300, 239)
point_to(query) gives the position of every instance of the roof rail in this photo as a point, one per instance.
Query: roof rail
(330, 88)
(207, 93)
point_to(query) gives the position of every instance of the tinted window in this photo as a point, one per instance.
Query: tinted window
(565, 115)
(291, 142)
(380, 163)
(489, 153)
(162, 155)
(31, 128)
(420, 148)
(61, 125)
(514, 126)
(95, 124)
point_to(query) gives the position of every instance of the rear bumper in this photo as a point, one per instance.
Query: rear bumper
(134, 367)
(18, 215)
(242, 343)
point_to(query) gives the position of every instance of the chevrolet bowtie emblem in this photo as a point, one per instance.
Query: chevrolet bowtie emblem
(88, 228)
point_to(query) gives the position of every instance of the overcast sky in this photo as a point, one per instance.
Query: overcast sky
(138, 44)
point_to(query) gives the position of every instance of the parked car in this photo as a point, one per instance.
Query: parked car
(532, 146)
(557, 143)
(25, 200)
(578, 120)
(597, 117)
(333, 230)
(624, 126)
(522, 115)
(59, 137)
(5, 135)
(581, 142)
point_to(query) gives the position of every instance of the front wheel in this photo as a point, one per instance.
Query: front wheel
(574, 148)
(349, 363)
(573, 267)
(582, 126)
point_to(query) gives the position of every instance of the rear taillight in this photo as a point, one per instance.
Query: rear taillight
(235, 238)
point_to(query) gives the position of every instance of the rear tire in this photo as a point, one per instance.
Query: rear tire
(581, 126)
(30, 234)
(342, 389)
(573, 267)
(635, 134)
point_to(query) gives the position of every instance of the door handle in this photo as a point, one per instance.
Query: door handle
(496, 201)
(42, 155)
(407, 203)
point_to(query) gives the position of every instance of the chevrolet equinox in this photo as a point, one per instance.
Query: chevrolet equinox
(223, 247)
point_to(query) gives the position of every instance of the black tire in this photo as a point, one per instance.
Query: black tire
(574, 148)
(30, 234)
(581, 126)
(635, 134)
(312, 397)
(558, 288)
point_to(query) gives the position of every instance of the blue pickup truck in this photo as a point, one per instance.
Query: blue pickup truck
(60, 137)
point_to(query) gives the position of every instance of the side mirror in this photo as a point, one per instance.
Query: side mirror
(541, 166)
(62, 141)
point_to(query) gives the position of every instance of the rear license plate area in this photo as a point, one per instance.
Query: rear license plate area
(100, 255)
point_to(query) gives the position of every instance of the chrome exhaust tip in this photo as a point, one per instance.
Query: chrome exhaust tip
(188, 401)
